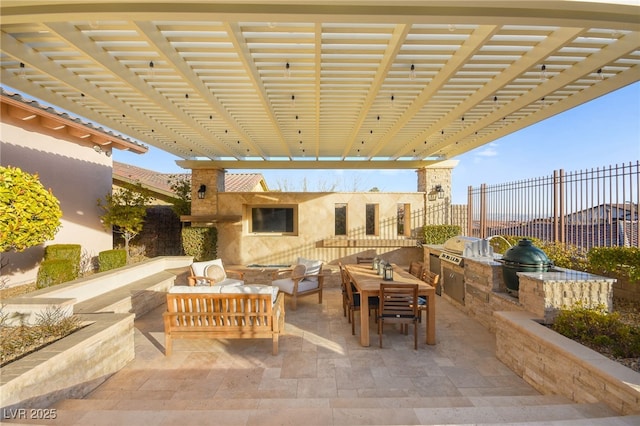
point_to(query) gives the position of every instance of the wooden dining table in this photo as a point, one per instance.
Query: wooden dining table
(367, 282)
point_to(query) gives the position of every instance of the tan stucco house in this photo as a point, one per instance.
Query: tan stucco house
(71, 157)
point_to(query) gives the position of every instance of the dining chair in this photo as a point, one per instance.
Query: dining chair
(344, 279)
(432, 279)
(353, 299)
(399, 305)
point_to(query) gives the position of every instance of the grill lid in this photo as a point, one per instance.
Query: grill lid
(457, 244)
(526, 254)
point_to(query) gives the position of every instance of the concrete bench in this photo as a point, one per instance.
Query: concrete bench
(138, 297)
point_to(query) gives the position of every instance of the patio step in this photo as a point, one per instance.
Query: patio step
(523, 410)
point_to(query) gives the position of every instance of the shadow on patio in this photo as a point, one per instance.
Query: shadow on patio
(322, 376)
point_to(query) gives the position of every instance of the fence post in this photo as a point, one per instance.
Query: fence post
(483, 210)
(469, 210)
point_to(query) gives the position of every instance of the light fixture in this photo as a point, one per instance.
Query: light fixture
(97, 149)
(543, 72)
(201, 191)
(151, 70)
(287, 70)
(436, 193)
(600, 75)
(293, 100)
(387, 272)
(22, 74)
(393, 98)
(412, 73)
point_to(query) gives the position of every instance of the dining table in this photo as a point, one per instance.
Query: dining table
(367, 282)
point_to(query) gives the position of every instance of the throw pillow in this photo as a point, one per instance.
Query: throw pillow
(215, 272)
(298, 271)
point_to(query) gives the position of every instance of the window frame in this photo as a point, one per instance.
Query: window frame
(294, 218)
(335, 219)
(376, 220)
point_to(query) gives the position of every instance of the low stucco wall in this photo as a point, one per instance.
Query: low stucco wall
(71, 367)
(315, 237)
(554, 364)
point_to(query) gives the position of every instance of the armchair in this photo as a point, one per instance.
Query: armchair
(303, 279)
(212, 272)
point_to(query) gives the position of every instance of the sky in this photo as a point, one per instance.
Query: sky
(600, 133)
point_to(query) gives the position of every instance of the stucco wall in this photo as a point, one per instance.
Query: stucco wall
(315, 237)
(77, 176)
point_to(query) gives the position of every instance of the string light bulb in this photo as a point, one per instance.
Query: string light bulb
(412, 73)
(151, 69)
(287, 70)
(600, 75)
(543, 72)
(22, 73)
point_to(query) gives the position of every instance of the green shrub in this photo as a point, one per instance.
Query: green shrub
(29, 213)
(70, 252)
(111, 259)
(623, 261)
(565, 255)
(200, 242)
(599, 330)
(505, 242)
(438, 234)
(55, 271)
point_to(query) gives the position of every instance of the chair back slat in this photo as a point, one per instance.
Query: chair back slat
(398, 305)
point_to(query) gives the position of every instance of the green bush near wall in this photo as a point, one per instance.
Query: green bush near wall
(438, 234)
(622, 261)
(70, 252)
(55, 271)
(111, 259)
(200, 242)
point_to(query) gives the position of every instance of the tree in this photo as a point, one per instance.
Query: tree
(125, 210)
(181, 186)
(29, 213)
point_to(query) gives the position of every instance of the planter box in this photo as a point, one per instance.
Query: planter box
(554, 364)
(70, 367)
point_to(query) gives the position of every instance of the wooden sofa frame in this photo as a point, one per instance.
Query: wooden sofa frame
(223, 315)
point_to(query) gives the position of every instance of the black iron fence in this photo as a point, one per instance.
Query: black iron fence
(587, 208)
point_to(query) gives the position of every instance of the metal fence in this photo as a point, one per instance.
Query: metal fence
(589, 208)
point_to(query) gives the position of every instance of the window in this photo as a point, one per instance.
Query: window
(404, 219)
(277, 219)
(372, 219)
(341, 219)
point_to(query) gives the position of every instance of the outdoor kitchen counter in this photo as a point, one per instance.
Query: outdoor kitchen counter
(477, 285)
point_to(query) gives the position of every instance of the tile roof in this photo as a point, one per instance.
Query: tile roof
(233, 182)
(127, 143)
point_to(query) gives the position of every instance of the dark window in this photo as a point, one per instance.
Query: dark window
(372, 219)
(341, 219)
(272, 219)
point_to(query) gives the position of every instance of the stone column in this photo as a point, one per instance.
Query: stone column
(438, 174)
(213, 179)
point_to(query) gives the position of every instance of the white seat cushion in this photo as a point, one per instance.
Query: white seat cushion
(198, 289)
(286, 285)
(252, 289)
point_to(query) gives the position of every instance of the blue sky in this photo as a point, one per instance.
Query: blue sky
(603, 132)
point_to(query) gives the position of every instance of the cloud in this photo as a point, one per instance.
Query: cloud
(490, 150)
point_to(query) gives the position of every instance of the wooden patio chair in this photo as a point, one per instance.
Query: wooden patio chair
(399, 305)
(430, 278)
(351, 298)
